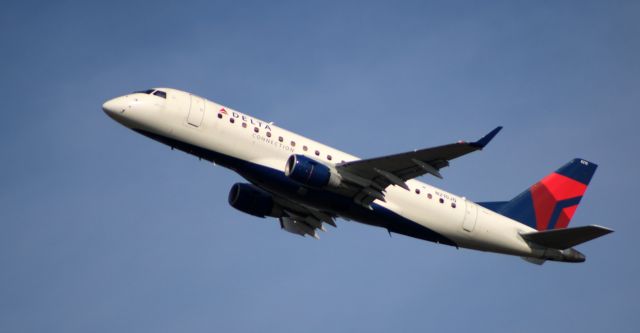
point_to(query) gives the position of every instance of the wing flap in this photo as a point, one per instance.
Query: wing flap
(303, 220)
(296, 227)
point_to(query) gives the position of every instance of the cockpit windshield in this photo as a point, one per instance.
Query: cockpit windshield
(147, 92)
(159, 93)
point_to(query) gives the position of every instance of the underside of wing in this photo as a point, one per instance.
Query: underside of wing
(303, 220)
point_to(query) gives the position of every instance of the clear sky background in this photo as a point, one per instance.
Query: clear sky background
(103, 230)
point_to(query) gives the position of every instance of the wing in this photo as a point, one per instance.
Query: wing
(302, 220)
(374, 175)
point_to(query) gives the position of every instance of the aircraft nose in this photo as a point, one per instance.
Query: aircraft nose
(114, 106)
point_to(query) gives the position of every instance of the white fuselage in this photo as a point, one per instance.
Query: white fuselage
(201, 124)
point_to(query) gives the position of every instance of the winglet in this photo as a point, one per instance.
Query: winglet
(485, 139)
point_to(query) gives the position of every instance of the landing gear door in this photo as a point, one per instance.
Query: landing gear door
(470, 216)
(196, 111)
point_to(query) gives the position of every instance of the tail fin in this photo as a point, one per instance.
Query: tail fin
(551, 202)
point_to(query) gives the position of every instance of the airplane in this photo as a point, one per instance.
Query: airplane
(306, 185)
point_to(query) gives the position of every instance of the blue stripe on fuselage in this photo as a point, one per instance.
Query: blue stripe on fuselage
(276, 181)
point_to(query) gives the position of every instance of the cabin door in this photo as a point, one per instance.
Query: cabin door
(196, 111)
(470, 216)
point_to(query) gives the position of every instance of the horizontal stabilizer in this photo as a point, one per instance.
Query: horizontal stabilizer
(566, 238)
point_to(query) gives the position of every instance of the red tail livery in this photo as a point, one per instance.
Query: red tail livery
(551, 202)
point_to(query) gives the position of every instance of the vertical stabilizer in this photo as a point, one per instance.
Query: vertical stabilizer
(551, 202)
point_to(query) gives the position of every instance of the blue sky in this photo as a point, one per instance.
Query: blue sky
(103, 230)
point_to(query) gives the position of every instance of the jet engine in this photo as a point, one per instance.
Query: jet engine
(250, 199)
(310, 172)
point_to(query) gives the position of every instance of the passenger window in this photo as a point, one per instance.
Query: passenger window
(317, 153)
(417, 191)
(231, 120)
(441, 200)
(305, 148)
(244, 125)
(219, 115)
(280, 139)
(429, 195)
(329, 157)
(268, 134)
(453, 205)
(255, 129)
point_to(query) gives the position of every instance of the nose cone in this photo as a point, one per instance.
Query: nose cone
(114, 107)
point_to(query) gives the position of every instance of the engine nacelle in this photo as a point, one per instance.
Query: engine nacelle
(310, 172)
(252, 200)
